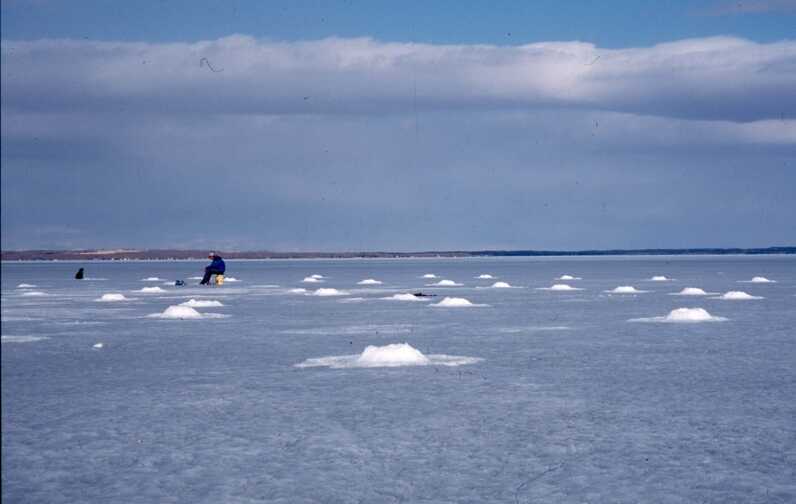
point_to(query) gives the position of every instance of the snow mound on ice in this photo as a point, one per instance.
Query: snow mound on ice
(34, 294)
(298, 291)
(560, 287)
(112, 297)
(329, 292)
(184, 313)
(691, 291)
(26, 286)
(455, 302)
(230, 279)
(152, 279)
(392, 355)
(97, 345)
(501, 285)
(660, 278)
(429, 275)
(447, 283)
(683, 315)
(737, 296)
(202, 303)
(568, 277)
(151, 289)
(404, 297)
(317, 276)
(369, 281)
(625, 289)
(485, 276)
(310, 279)
(760, 279)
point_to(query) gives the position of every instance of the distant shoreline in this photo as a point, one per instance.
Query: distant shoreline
(175, 254)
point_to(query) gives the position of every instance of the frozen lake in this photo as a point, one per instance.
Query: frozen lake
(533, 393)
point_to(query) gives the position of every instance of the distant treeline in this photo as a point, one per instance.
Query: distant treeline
(166, 254)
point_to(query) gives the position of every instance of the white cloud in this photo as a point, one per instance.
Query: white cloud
(719, 78)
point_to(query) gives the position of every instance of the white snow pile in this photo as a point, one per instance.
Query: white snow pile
(202, 303)
(392, 355)
(501, 285)
(660, 278)
(455, 302)
(21, 339)
(329, 292)
(26, 286)
(691, 291)
(737, 296)
(560, 288)
(568, 277)
(683, 315)
(369, 281)
(352, 300)
(184, 313)
(34, 294)
(311, 279)
(317, 276)
(152, 279)
(446, 283)
(151, 290)
(112, 297)
(98, 346)
(404, 297)
(429, 275)
(759, 279)
(625, 289)
(230, 279)
(485, 276)
(298, 291)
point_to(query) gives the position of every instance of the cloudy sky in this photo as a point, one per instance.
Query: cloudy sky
(354, 125)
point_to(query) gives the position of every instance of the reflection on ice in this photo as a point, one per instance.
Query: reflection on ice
(392, 355)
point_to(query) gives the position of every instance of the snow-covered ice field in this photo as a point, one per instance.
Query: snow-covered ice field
(258, 392)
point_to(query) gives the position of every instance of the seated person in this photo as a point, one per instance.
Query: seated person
(217, 267)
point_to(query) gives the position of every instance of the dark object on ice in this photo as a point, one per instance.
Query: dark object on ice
(420, 294)
(179, 283)
(217, 267)
(79, 274)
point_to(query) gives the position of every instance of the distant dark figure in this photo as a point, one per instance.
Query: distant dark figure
(217, 267)
(79, 274)
(179, 283)
(420, 294)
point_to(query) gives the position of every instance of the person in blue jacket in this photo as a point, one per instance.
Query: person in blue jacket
(217, 267)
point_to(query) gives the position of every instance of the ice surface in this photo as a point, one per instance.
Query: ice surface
(392, 355)
(737, 296)
(111, 297)
(446, 283)
(429, 275)
(683, 315)
(22, 339)
(152, 279)
(202, 303)
(560, 287)
(311, 279)
(369, 281)
(151, 290)
(25, 286)
(660, 278)
(329, 292)
(455, 302)
(34, 294)
(501, 285)
(352, 300)
(625, 289)
(691, 291)
(485, 276)
(405, 297)
(760, 279)
(532, 329)
(195, 278)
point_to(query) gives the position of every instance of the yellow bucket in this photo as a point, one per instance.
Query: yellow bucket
(219, 279)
